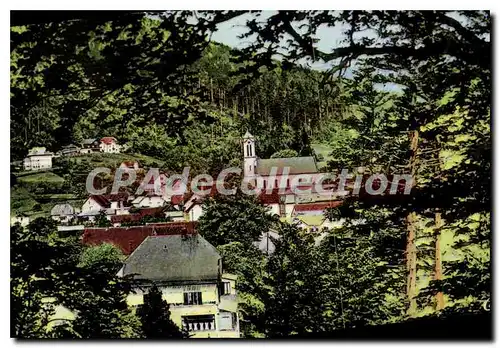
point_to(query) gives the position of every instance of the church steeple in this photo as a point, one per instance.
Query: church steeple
(249, 155)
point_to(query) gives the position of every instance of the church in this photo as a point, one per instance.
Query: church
(279, 177)
(277, 172)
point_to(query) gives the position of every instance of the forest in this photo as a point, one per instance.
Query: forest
(416, 99)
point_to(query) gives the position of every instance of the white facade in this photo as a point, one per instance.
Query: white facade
(91, 205)
(249, 155)
(109, 147)
(22, 220)
(195, 212)
(148, 202)
(38, 159)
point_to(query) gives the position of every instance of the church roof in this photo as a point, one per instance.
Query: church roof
(297, 165)
(247, 135)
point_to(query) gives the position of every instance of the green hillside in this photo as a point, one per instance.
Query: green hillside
(35, 193)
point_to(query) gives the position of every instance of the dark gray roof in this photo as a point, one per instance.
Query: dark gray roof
(174, 258)
(62, 209)
(88, 141)
(297, 165)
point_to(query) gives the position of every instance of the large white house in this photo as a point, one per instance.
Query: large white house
(38, 159)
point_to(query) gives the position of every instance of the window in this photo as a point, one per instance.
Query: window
(192, 298)
(226, 288)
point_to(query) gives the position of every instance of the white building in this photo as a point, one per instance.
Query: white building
(62, 212)
(109, 145)
(38, 159)
(22, 220)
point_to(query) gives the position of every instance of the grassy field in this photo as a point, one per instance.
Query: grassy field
(113, 160)
(35, 177)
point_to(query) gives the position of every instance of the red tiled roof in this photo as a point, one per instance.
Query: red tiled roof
(105, 200)
(101, 200)
(130, 164)
(108, 140)
(316, 206)
(129, 238)
(269, 198)
(125, 218)
(177, 199)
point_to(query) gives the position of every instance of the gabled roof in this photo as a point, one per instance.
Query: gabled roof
(105, 200)
(174, 258)
(129, 238)
(101, 200)
(88, 141)
(248, 135)
(62, 209)
(108, 140)
(311, 220)
(177, 199)
(297, 165)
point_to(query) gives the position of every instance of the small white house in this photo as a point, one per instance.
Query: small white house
(95, 203)
(62, 212)
(22, 220)
(110, 204)
(38, 159)
(109, 145)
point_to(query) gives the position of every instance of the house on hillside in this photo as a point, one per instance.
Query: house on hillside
(188, 271)
(20, 219)
(111, 204)
(62, 212)
(38, 159)
(109, 145)
(70, 150)
(90, 146)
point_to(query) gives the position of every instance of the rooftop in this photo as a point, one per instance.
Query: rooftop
(297, 165)
(174, 258)
(316, 206)
(129, 238)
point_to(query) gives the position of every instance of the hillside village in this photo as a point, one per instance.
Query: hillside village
(135, 223)
(359, 170)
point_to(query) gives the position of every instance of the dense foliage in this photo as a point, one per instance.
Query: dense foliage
(418, 102)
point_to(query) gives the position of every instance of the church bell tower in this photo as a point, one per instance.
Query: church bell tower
(249, 156)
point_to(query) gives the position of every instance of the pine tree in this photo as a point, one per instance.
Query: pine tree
(154, 315)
